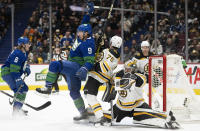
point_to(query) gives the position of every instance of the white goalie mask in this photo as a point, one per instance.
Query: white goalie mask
(116, 41)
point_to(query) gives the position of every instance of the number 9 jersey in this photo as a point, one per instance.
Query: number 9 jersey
(103, 71)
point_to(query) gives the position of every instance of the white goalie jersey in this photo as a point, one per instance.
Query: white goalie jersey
(141, 62)
(104, 68)
(131, 93)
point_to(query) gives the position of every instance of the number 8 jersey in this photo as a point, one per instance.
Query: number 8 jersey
(104, 68)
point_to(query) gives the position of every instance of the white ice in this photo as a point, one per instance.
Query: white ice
(59, 117)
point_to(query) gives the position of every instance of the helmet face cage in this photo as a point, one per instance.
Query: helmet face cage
(131, 69)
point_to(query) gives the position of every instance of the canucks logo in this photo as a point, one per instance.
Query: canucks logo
(75, 45)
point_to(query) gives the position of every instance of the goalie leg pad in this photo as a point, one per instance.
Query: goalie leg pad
(150, 117)
(120, 114)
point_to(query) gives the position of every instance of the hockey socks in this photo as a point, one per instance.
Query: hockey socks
(51, 78)
(96, 107)
(20, 98)
(79, 103)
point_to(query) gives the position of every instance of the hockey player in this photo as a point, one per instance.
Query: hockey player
(141, 58)
(12, 70)
(130, 102)
(75, 69)
(102, 73)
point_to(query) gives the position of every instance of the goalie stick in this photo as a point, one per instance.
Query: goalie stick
(45, 105)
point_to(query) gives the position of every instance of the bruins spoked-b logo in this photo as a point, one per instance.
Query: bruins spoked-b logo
(122, 93)
(146, 68)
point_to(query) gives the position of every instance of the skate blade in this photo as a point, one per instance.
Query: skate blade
(42, 95)
(55, 93)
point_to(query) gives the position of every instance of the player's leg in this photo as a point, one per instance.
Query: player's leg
(119, 114)
(54, 68)
(20, 98)
(146, 116)
(91, 90)
(19, 94)
(74, 88)
(55, 85)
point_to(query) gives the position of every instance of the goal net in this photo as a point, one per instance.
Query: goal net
(169, 88)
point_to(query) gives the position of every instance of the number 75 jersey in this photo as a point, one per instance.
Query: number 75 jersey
(103, 70)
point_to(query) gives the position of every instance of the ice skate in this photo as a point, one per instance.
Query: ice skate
(19, 113)
(44, 90)
(55, 92)
(103, 121)
(82, 116)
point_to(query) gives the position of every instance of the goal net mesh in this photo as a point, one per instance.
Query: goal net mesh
(169, 87)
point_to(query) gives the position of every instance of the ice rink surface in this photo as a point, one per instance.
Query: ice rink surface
(59, 117)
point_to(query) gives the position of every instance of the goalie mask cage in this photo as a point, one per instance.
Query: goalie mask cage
(169, 87)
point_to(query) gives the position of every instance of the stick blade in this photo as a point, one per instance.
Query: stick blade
(44, 106)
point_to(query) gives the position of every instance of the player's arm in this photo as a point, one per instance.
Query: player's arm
(90, 10)
(140, 80)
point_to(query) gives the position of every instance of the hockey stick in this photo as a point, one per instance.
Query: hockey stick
(103, 36)
(112, 115)
(45, 105)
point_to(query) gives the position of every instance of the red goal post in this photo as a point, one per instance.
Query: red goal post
(162, 61)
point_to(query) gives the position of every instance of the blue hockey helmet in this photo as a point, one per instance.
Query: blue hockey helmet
(85, 28)
(23, 40)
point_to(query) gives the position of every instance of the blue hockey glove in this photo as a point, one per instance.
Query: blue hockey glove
(19, 82)
(82, 73)
(27, 70)
(90, 7)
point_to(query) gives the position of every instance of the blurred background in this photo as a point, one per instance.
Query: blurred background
(171, 26)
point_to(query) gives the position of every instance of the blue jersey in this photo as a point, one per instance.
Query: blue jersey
(83, 52)
(15, 64)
